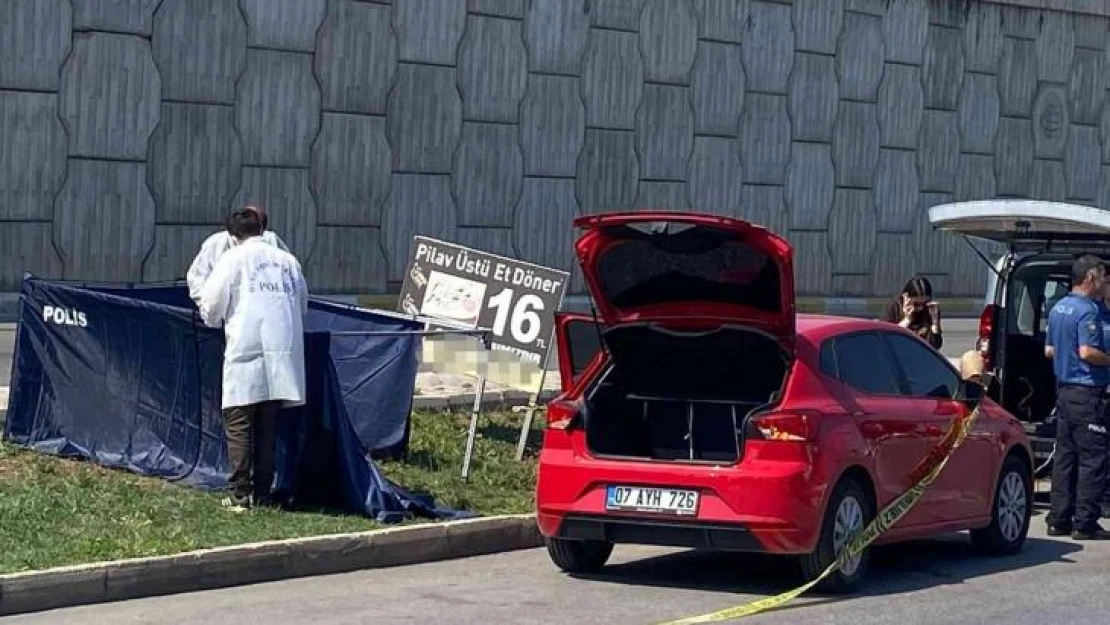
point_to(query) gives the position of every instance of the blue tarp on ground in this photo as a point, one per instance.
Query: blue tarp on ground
(127, 376)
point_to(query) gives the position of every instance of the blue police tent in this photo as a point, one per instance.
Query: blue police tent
(127, 376)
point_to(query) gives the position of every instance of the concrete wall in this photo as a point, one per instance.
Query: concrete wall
(128, 128)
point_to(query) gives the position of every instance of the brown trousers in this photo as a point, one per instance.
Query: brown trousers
(251, 436)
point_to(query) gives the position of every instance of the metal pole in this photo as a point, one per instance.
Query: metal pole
(533, 403)
(475, 411)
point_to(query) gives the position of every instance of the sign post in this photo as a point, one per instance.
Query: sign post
(516, 300)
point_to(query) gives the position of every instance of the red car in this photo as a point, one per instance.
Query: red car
(698, 410)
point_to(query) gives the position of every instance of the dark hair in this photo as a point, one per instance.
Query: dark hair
(261, 215)
(918, 286)
(243, 224)
(1083, 266)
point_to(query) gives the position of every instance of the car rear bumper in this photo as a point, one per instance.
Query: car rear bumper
(718, 537)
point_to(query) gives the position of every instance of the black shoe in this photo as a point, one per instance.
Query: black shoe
(1059, 530)
(1094, 533)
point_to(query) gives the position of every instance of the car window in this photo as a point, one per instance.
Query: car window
(862, 362)
(926, 375)
(1034, 290)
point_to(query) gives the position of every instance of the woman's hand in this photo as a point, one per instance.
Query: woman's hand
(934, 316)
(907, 311)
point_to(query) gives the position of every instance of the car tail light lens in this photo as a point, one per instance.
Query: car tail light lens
(986, 329)
(562, 415)
(782, 426)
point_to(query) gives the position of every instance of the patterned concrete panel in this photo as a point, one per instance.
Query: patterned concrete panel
(356, 58)
(542, 233)
(715, 179)
(860, 62)
(934, 250)
(975, 177)
(429, 36)
(488, 175)
(175, 247)
(34, 41)
(978, 113)
(426, 119)
(616, 14)
(290, 207)
(350, 170)
(109, 96)
(812, 265)
(278, 110)
(852, 231)
(851, 284)
(1103, 199)
(905, 30)
(32, 155)
(1013, 157)
(28, 248)
(983, 38)
(664, 132)
(194, 162)
(768, 47)
(347, 260)
(417, 204)
(856, 144)
(942, 72)
(552, 126)
(493, 73)
(1087, 86)
(1050, 122)
(493, 240)
(868, 7)
(810, 186)
(939, 154)
(951, 13)
(1021, 22)
(1017, 77)
(813, 97)
(1055, 45)
(556, 34)
(284, 24)
(901, 106)
(896, 190)
(1048, 180)
(613, 80)
(104, 221)
(718, 88)
(501, 8)
(765, 138)
(608, 171)
(1082, 162)
(656, 195)
(1104, 134)
(722, 21)
(200, 47)
(668, 40)
(817, 25)
(889, 274)
(765, 205)
(1091, 31)
(121, 16)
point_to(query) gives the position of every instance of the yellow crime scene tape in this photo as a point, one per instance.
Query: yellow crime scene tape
(921, 477)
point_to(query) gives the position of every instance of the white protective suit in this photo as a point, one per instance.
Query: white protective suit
(258, 294)
(210, 252)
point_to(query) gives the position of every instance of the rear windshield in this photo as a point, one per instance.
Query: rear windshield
(696, 263)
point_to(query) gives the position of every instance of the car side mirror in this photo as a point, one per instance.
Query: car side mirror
(969, 393)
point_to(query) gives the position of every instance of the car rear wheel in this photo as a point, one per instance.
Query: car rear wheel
(579, 556)
(849, 511)
(1010, 512)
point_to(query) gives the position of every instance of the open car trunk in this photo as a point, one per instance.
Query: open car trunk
(681, 396)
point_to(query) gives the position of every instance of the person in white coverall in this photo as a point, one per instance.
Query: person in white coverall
(257, 293)
(215, 245)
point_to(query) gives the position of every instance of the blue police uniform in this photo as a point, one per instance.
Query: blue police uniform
(1080, 463)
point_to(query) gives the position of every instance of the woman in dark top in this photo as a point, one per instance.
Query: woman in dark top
(915, 310)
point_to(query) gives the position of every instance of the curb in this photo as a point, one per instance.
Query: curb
(255, 563)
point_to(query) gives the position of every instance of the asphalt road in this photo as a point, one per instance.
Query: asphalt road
(1052, 581)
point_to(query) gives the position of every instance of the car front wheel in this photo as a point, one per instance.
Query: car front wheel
(579, 556)
(1010, 512)
(849, 511)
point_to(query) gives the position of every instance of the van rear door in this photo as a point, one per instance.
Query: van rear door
(1028, 225)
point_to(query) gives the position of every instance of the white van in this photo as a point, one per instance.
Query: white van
(1030, 246)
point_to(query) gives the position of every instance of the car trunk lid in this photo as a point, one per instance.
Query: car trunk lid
(1028, 225)
(688, 269)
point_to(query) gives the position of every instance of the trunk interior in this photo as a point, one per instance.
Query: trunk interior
(681, 396)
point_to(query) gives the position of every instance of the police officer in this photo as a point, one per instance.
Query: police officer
(1076, 346)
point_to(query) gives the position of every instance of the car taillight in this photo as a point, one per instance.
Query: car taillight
(986, 329)
(562, 415)
(782, 426)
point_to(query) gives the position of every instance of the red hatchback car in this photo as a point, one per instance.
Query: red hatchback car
(698, 410)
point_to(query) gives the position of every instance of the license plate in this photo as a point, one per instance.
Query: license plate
(658, 500)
